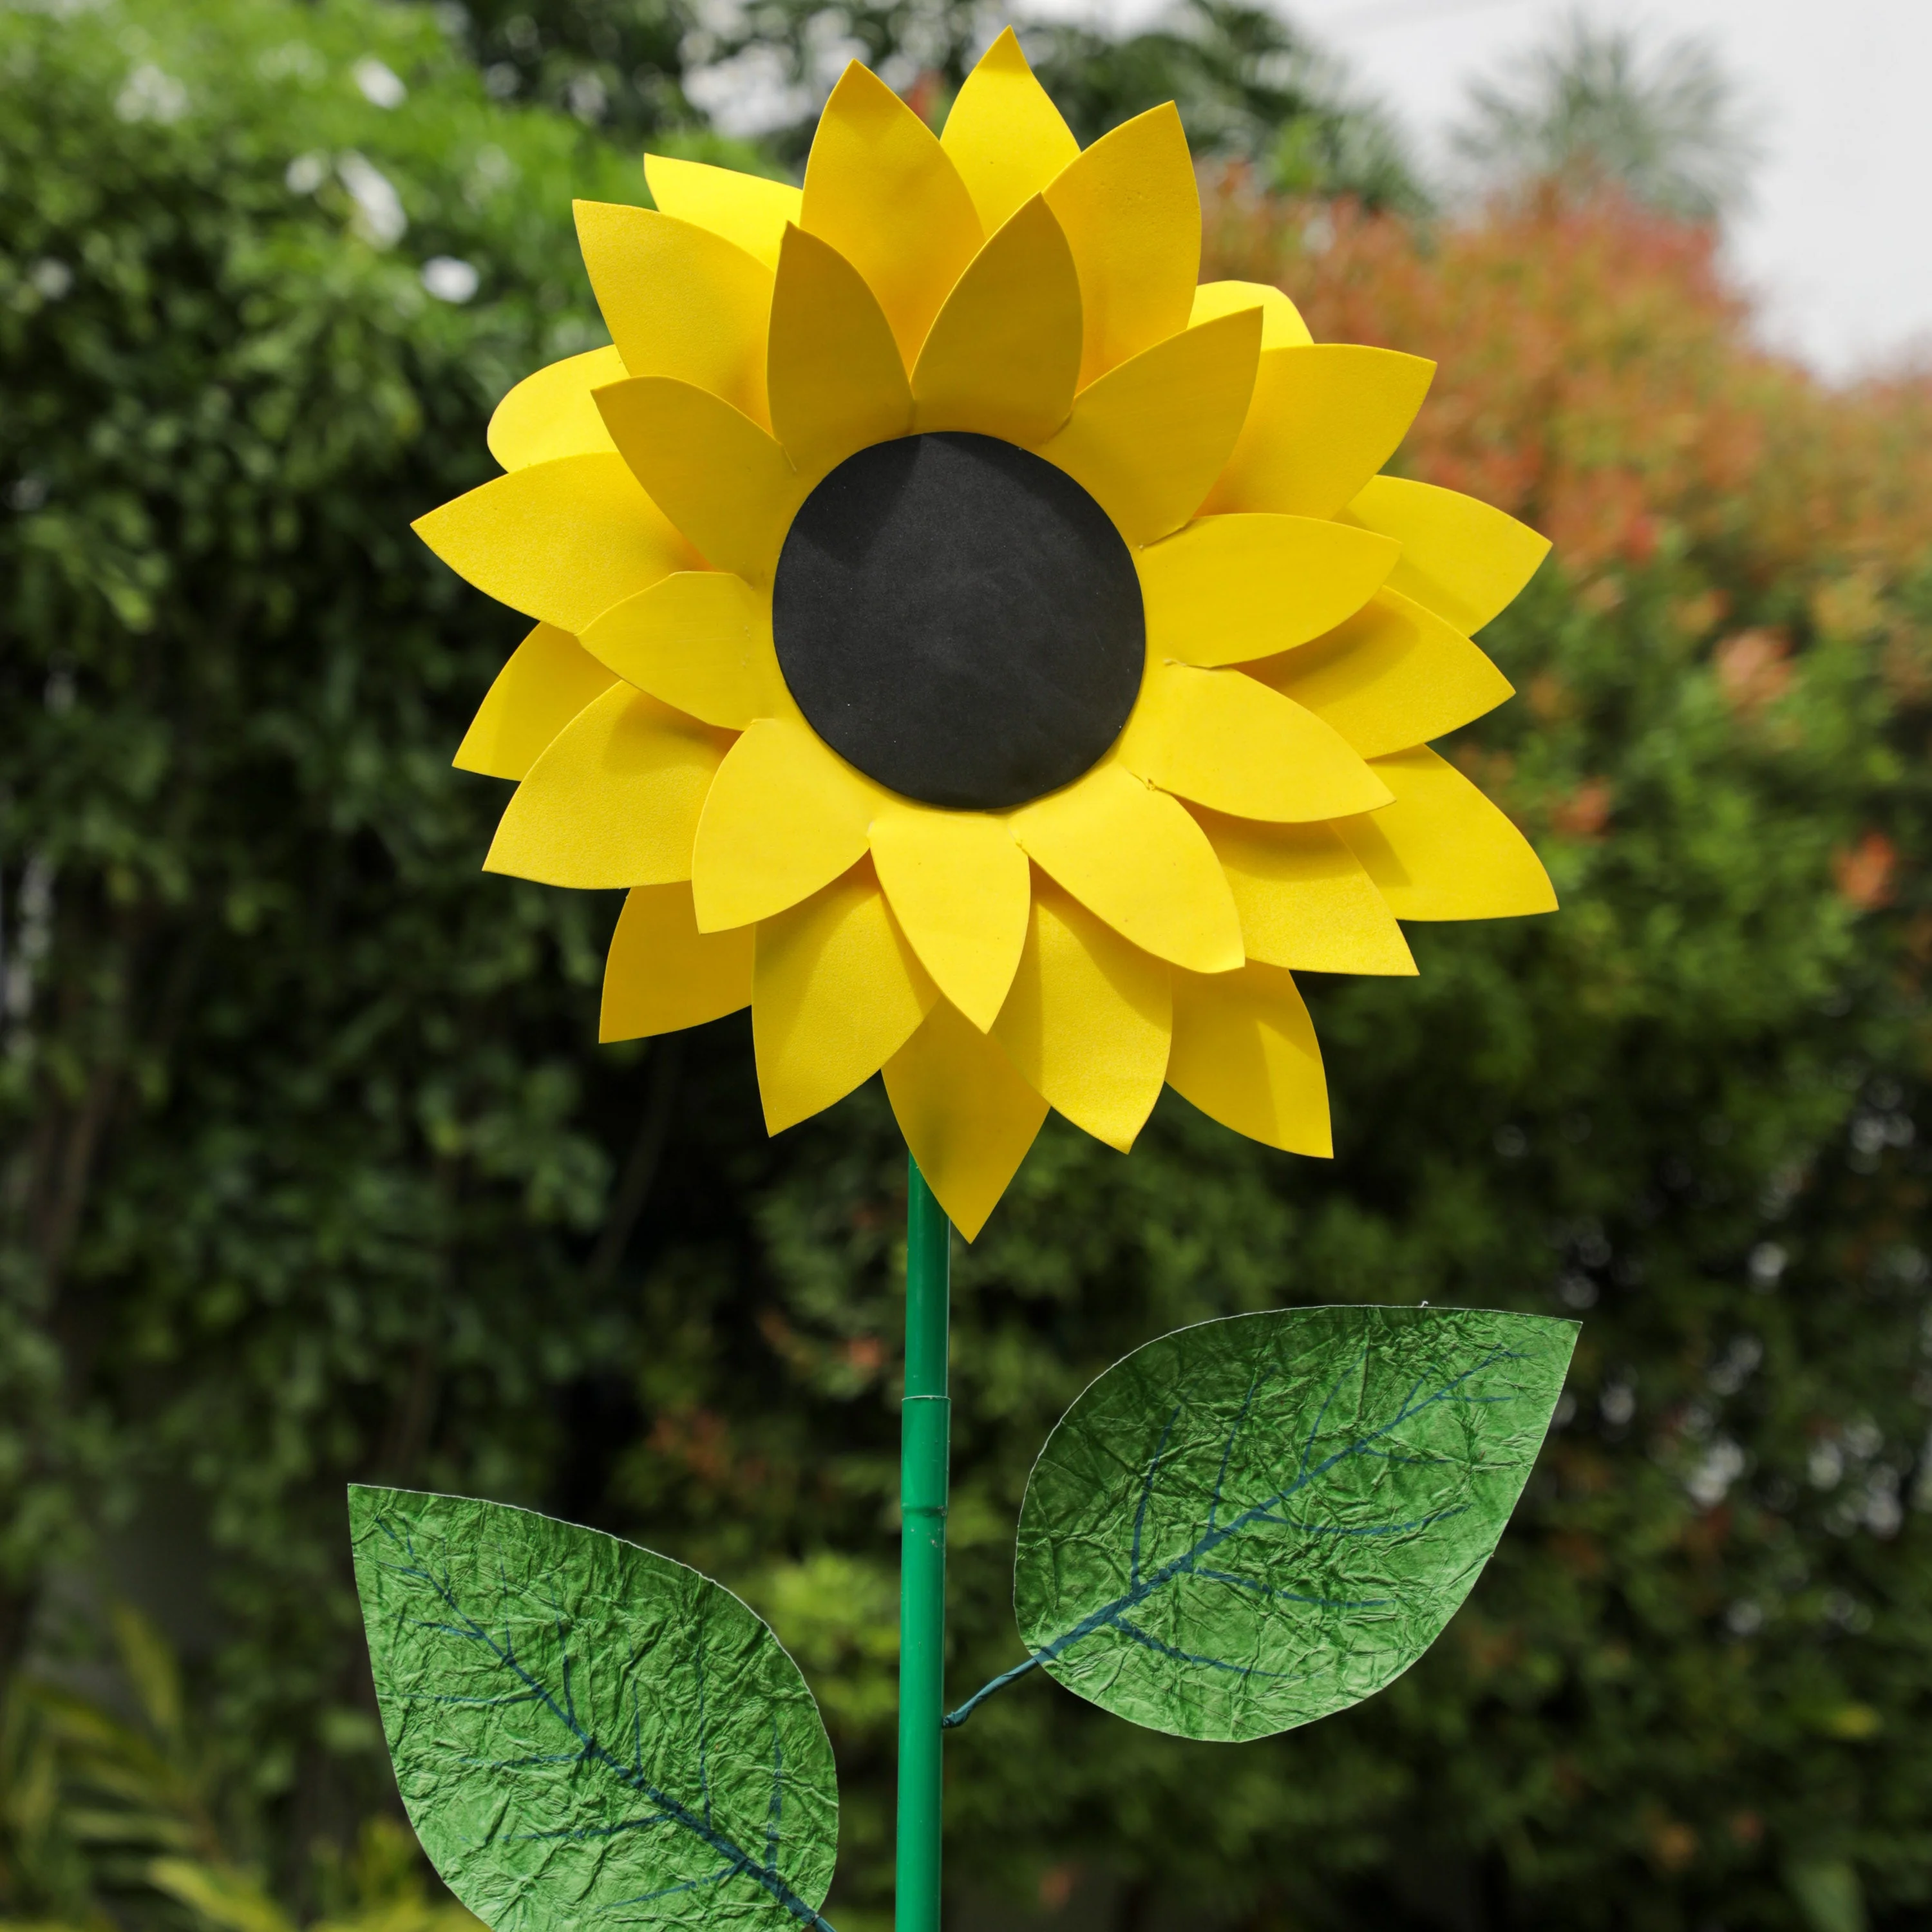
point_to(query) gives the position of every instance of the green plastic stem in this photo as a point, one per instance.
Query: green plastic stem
(925, 1427)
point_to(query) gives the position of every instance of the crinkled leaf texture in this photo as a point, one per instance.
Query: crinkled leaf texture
(1250, 1524)
(586, 1733)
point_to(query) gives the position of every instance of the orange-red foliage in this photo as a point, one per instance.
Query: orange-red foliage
(1599, 377)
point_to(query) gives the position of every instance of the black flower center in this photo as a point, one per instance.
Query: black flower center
(960, 620)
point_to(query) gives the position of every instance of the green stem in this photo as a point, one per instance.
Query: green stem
(925, 1420)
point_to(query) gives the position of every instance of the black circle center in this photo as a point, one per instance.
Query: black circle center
(959, 619)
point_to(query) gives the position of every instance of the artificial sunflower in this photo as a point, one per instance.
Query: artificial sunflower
(988, 655)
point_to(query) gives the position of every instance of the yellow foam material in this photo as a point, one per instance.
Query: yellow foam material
(1244, 1053)
(1004, 135)
(662, 975)
(700, 639)
(1463, 559)
(1282, 325)
(549, 678)
(552, 414)
(747, 210)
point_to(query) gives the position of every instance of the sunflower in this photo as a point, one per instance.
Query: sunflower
(988, 654)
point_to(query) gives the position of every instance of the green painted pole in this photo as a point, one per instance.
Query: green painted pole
(926, 1428)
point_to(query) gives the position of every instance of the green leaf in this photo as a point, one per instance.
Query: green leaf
(1248, 1525)
(583, 1730)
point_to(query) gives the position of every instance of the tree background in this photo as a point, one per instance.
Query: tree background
(312, 1171)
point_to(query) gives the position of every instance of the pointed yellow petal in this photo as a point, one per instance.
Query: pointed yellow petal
(960, 887)
(718, 477)
(1131, 213)
(1244, 1053)
(1282, 325)
(1393, 676)
(1226, 590)
(1442, 850)
(1148, 440)
(878, 186)
(549, 678)
(1304, 899)
(746, 210)
(700, 640)
(1003, 355)
(1004, 136)
(550, 414)
(785, 817)
(1324, 420)
(835, 992)
(560, 541)
(1220, 739)
(1135, 857)
(678, 301)
(1462, 558)
(662, 974)
(967, 1115)
(1088, 1021)
(837, 383)
(614, 799)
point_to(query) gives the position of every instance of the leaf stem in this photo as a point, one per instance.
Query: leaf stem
(953, 1719)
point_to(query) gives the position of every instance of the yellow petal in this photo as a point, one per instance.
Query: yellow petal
(965, 1112)
(560, 541)
(1088, 1021)
(785, 816)
(835, 992)
(1461, 558)
(1282, 325)
(662, 974)
(614, 799)
(837, 383)
(551, 414)
(1131, 213)
(1147, 439)
(1393, 676)
(1135, 857)
(1002, 357)
(1004, 135)
(700, 640)
(1228, 589)
(1244, 1053)
(746, 210)
(549, 678)
(1324, 420)
(718, 477)
(960, 887)
(1220, 738)
(1304, 899)
(1442, 850)
(878, 186)
(678, 301)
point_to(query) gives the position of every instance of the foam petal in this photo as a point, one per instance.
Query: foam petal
(1461, 558)
(785, 816)
(1148, 439)
(837, 384)
(549, 678)
(1004, 134)
(662, 975)
(960, 887)
(1131, 214)
(560, 541)
(1088, 1020)
(701, 640)
(835, 992)
(679, 300)
(1231, 588)
(880, 188)
(552, 414)
(747, 210)
(1002, 357)
(1218, 737)
(614, 799)
(1134, 856)
(1244, 1052)
(1394, 675)
(1442, 850)
(967, 1115)
(1282, 325)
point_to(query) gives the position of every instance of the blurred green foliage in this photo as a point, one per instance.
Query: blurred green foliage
(312, 1170)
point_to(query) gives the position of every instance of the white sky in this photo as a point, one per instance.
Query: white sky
(1838, 243)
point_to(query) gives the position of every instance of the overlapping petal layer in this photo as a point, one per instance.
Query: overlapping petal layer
(1271, 806)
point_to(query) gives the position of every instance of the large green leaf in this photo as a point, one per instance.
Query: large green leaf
(585, 1733)
(1252, 1523)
